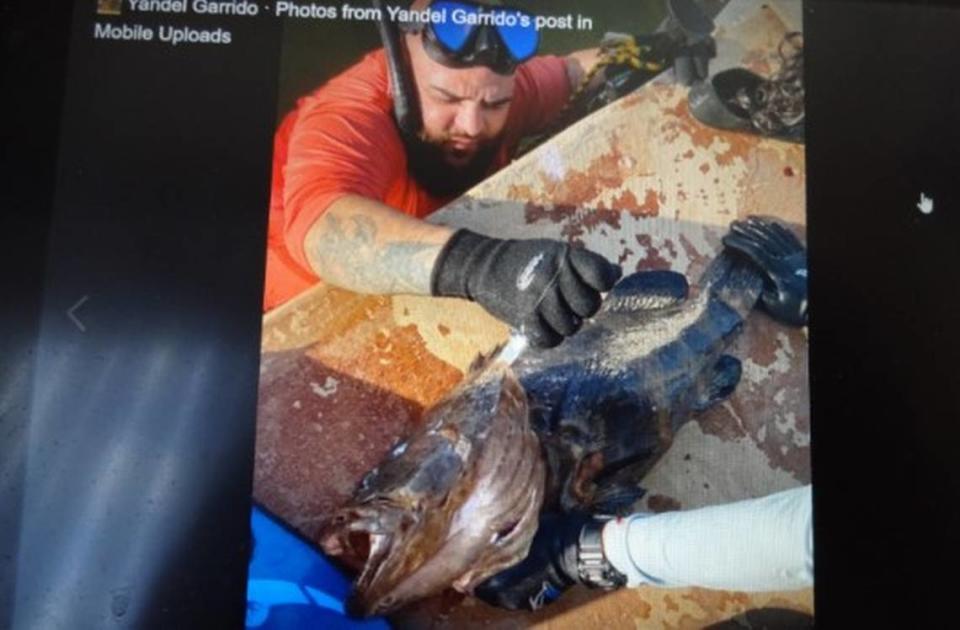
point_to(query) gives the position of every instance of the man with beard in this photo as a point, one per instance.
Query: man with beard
(350, 189)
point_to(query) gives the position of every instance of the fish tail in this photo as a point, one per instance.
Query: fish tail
(734, 280)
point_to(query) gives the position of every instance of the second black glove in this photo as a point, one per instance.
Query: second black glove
(542, 287)
(782, 258)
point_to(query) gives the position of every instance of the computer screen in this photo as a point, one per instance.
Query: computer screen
(476, 313)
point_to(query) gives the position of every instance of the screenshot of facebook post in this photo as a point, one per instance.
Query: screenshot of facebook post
(534, 340)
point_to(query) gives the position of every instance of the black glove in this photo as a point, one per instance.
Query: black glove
(783, 259)
(542, 287)
(549, 568)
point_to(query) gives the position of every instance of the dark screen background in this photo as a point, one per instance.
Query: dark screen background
(884, 339)
(134, 469)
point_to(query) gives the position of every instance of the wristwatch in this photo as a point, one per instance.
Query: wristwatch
(593, 568)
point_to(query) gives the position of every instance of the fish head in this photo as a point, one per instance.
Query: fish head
(455, 504)
(382, 540)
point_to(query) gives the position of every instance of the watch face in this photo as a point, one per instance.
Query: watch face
(592, 565)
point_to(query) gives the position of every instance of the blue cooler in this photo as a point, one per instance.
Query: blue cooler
(291, 584)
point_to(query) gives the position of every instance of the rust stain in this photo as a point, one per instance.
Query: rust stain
(576, 221)
(653, 260)
(443, 330)
(626, 201)
(627, 252)
(727, 601)
(698, 262)
(670, 247)
(688, 154)
(590, 220)
(670, 603)
(535, 212)
(659, 503)
(678, 120)
(581, 188)
(770, 188)
(758, 61)
(651, 204)
(787, 171)
(704, 168)
(633, 99)
(741, 145)
(782, 435)
(763, 349)
(649, 208)
(520, 192)
(719, 423)
(642, 609)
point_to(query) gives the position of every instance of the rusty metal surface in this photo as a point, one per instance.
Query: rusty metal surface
(642, 182)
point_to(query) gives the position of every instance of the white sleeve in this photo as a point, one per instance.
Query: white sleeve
(763, 544)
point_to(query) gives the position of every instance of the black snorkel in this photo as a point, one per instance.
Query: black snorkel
(406, 107)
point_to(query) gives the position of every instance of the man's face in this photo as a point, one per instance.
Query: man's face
(464, 109)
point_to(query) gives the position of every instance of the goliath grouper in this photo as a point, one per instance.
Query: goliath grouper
(567, 428)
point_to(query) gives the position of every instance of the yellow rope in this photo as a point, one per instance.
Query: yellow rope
(623, 52)
(614, 50)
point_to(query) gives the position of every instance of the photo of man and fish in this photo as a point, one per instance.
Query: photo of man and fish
(534, 342)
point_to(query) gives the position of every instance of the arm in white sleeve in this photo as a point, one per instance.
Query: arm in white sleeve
(763, 544)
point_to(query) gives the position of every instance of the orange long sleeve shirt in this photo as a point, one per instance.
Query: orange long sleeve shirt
(341, 139)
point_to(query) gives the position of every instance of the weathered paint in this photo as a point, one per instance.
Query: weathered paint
(642, 608)
(340, 381)
(645, 184)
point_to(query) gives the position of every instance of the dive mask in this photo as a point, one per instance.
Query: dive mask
(460, 34)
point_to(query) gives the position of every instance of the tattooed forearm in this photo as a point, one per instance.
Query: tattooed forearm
(365, 246)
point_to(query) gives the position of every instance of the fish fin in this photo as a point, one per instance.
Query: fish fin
(617, 498)
(723, 380)
(647, 291)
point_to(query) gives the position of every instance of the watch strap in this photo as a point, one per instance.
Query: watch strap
(593, 568)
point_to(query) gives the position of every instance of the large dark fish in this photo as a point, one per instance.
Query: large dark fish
(607, 403)
(459, 500)
(452, 505)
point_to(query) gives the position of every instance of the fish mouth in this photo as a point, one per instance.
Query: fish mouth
(367, 540)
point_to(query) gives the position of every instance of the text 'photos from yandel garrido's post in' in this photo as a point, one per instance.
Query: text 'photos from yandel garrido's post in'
(665, 137)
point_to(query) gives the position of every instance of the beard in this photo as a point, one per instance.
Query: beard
(428, 165)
